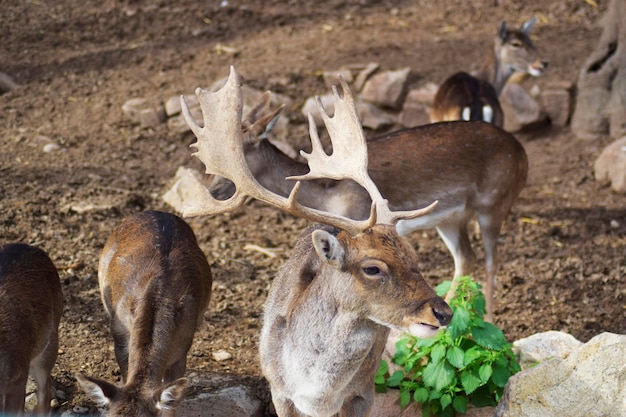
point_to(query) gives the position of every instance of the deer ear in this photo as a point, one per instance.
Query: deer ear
(98, 390)
(328, 248)
(502, 31)
(172, 394)
(528, 25)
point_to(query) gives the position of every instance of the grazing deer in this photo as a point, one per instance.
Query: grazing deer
(155, 285)
(31, 304)
(332, 304)
(470, 98)
(473, 169)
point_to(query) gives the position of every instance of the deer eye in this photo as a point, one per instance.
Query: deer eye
(371, 270)
(516, 44)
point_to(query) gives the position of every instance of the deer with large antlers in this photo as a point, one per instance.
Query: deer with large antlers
(347, 283)
(155, 284)
(473, 169)
(476, 97)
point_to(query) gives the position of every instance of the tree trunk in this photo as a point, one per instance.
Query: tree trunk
(601, 99)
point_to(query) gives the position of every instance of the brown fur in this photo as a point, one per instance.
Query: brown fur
(31, 304)
(155, 284)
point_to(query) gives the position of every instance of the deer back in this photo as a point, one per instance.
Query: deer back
(31, 304)
(155, 284)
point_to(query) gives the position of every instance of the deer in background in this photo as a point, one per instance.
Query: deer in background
(346, 284)
(31, 304)
(470, 98)
(155, 284)
(473, 169)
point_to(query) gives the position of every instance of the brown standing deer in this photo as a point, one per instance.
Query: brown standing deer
(31, 304)
(332, 304)
(474, 170)
(470, 98)
(155, 285)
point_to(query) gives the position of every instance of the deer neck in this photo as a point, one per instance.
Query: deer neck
(493, 71)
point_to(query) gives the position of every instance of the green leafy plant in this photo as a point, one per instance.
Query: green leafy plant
(469, 362)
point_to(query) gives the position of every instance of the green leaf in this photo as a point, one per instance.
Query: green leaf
(445, 400)
(383, 368)
(405, 398)
(395, 379)
(443, 288)
(489, 336)
(438, 353)
(420, 395)
(471, 355)
(501, 375)
(456, 356)
(470, 382)
(484, 372)
(459, 403)
(459, 323)
(438, 375)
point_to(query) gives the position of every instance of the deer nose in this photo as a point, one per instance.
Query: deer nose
(545, 64)
(442, 312)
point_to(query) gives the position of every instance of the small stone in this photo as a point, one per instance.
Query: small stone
(221, 355)
(51, 147)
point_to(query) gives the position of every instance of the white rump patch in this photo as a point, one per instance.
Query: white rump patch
(465, 114)
(487, 113)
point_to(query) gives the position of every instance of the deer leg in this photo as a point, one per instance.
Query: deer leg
(40, 369)
(14, 396)
(455, 236)
(356, 407)
(285, 408)
(121, 339)
(490, 230)
(176, 370)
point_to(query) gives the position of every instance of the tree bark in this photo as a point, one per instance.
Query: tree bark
(601, 99)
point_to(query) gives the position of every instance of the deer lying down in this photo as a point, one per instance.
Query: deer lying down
(470, 98)
(31, 304)
(473, 169)
(155, 284)
(333, 302)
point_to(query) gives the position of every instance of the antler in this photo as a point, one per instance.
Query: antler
(349, 157)
(219, 147)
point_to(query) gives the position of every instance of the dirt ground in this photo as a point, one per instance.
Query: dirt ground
(563, 256)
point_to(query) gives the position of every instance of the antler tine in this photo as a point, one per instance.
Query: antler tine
(219, 147)
(349, 157)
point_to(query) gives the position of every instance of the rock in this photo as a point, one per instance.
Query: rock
(372, 117)
(172, 105)
(310, 106)
(543, 346)
(590, 382)
(7, 83)
(415, 111)
(364, 74)
(331, 78)
(182, 193)
(520, 109)
(51, 147)
(139, 110)
(387, 89)
(221, 355)
(611, 165)
(226, 402)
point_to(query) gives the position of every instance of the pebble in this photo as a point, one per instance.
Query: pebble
(221, 355)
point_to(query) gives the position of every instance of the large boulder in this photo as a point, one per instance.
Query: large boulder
(611, 165)
(590, 382)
